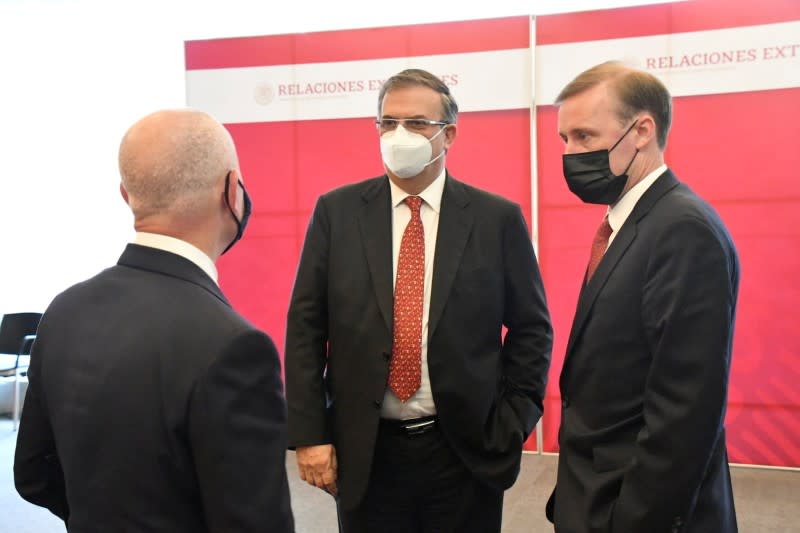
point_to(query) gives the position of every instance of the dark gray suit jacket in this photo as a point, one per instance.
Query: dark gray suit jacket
(645, 378)
(153, 406)
(488, 389)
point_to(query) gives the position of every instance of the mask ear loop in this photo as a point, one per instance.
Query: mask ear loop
(441, 129)
(624, 134)
(444, 150)
(620, 140)
(629, 164)
(235, 218)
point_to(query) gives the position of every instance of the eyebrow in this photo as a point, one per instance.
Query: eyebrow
(413, 116)
(574, 131)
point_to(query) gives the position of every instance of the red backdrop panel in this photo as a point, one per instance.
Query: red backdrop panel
(354, 45)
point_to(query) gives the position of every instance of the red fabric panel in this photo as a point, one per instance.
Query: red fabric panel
(352, 45)
(738, 152)
(492, 152)
(661, 19)
(286, 165)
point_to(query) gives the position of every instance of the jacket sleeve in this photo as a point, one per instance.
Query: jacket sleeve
(529, 337)
(38, 475)
(688, 304)
(307, 338)
(237, 435)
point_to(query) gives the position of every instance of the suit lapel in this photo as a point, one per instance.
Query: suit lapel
(169, 264)
(455, 224)
(618, 248)
(375, 223)
(589, 291)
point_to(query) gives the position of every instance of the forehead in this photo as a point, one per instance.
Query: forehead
(414, 100)
(593, 107)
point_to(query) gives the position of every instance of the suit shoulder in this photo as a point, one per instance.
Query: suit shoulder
(683, 208)
(122, 289)
(486, 199)
(682, 203)
(352, 191)
(81, 290)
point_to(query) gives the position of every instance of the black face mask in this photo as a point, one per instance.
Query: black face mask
(248, 207)
(590, 178)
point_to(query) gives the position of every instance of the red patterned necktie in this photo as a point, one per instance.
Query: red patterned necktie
(405, 370)
(599, 246)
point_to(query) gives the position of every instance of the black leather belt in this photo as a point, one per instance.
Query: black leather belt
(412, 426)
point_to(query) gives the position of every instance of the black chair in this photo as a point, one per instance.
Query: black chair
(17, 333)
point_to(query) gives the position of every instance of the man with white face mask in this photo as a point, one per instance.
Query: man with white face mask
(406, 401)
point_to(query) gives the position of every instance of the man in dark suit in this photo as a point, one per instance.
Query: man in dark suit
(405, 399)
(645, 378)
(153, 406)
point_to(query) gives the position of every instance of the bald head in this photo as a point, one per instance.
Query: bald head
(171, 161)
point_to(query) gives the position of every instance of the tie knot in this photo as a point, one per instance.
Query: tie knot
(414, 203)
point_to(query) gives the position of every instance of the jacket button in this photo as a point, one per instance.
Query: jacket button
(377, 404)
(565, 402)
(387, 355)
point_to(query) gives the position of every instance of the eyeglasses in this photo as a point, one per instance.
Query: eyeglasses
(411, 124)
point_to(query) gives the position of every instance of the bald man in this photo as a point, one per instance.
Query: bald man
(153, 406)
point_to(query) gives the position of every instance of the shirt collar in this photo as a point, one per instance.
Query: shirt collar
(432, 195)
(178, 247)
(619, 212)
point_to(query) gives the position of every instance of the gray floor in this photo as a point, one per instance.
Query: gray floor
(767, 501)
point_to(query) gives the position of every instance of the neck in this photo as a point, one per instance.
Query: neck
(644, 164)
(197, 233)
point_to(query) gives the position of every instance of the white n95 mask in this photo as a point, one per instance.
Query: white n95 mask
(405, 153)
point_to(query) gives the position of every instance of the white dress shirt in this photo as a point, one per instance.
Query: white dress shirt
(178, 247)
(619, 212)
(421, 403)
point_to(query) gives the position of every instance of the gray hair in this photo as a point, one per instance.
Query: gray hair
(418, 77)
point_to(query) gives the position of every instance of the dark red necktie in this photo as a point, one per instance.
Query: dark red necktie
(599, 245)
(405, 370)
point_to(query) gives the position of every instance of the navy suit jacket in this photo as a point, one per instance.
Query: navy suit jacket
(153, 406)
(645, 378)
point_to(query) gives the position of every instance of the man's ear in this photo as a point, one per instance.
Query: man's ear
(645, 131)
(450, 136)
(233, 191)
(124, 193)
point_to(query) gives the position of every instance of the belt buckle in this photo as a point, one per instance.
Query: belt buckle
(418, 428)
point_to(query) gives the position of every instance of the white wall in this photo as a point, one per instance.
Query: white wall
(75, 74)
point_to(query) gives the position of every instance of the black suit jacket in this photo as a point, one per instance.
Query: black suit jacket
(488, 390)
(153, 406)
(645, 378)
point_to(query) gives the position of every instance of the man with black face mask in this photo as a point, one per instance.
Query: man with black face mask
(153, 405)
(644, 381)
